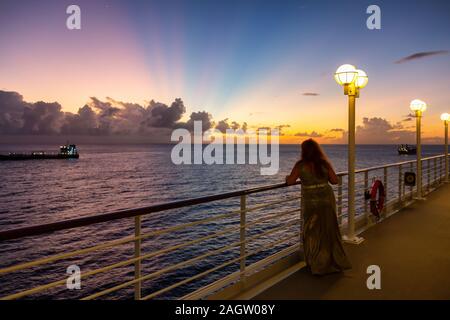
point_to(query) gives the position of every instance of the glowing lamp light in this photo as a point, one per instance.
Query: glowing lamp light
(445, 117)
(345, 74)
(362, 79)
(352, 80)
(418, 105)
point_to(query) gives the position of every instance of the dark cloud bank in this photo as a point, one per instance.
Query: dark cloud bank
(380, 131)
(114, 121)
(100, 120)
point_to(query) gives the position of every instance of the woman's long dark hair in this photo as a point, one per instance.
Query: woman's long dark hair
(312, 153)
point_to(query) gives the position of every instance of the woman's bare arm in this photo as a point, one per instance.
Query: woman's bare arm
(332, 177)
(293, 177)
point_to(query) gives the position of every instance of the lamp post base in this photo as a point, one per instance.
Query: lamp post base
(352, 240)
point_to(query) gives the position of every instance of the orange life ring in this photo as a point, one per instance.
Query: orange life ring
(377, 203)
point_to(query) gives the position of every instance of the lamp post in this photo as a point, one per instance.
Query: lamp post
(418, 107)
(446, 117)
(352, 80)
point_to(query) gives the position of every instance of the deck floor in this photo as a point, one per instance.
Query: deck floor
(412, 249)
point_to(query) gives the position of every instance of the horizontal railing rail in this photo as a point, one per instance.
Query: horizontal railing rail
(282, 225)
(396, 164)
(105, 217)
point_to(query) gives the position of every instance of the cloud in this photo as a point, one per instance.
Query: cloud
(281, 128)
(305, 134)
(420, 55)
(11, 112)
(203, 116)
(235, 125)
(335, 135)
(261, 129)
(18, 116)
(83, 122)
(378, 130)
(311, 94)
(98, 118)
(164, 116)
(223, 125)
(123, 118)
(43, 118)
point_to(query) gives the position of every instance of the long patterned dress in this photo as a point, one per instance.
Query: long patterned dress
(322, 242)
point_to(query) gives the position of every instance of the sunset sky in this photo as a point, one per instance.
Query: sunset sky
(267, 63)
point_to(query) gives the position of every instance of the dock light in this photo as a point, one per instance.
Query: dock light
(352, 80)
(446, 118)
(418, 106)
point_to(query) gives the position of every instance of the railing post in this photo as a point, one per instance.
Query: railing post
(443, 169)
(242, 238)
(411, 188)
(366, 186)
(137, 254)
(300, 240)
(340, 199)
(428, 175)
(435, 171)
(400, 185)
(385, 181)
(403, 186)
(419, 157)
(446, 153)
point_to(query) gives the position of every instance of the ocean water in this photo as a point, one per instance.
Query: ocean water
(110, 178)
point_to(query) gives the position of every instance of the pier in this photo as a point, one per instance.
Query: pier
(248, 246)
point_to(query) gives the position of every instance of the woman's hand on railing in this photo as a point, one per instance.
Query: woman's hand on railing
(290, 180)
(294, 176)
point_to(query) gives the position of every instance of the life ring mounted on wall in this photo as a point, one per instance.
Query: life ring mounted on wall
(377, 195)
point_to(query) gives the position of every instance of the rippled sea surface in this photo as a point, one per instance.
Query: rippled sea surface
(110, 178)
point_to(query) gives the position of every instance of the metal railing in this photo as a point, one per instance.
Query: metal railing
(205, 253)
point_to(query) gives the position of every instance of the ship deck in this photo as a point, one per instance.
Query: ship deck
(412, 249)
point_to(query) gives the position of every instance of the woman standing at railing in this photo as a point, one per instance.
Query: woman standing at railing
(322, 243)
